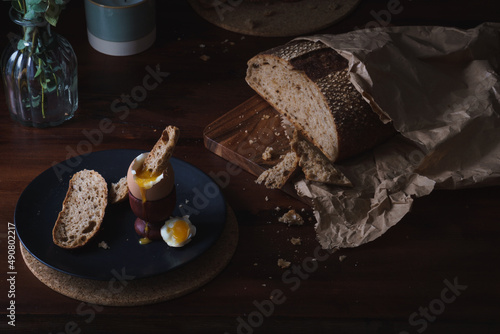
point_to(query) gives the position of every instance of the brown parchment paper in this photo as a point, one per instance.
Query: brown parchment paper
(440, 88)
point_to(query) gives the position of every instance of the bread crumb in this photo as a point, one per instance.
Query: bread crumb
(283, 263)
(291, 218)
(296, 241)
(103, 244)
(267, 198)
(268, 13)
(268, 153)
(342, 257)
(204, 57)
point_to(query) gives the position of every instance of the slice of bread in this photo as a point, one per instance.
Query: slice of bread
(277, 176)
(157, 160)
(315, 166)
(82, 210)
(118, 192)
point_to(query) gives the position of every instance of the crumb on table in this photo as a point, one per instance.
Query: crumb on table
(283, 263)
(103, 244)
(268, 153)
(291, 218)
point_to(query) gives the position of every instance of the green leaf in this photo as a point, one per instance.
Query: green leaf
(48, 10)
(52, 12)
(21, 44)
(35, 100)
(18, 6)
(32, 2)
(38, 71)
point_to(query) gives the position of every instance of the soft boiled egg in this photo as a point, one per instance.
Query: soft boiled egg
(147, 187)
(178, 231)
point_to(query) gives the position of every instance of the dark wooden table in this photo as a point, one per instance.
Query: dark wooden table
(437, 271)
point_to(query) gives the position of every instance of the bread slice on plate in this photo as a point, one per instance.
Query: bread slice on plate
(118, 191)
(82, 210)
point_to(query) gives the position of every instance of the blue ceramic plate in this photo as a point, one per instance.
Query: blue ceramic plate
(41, 201)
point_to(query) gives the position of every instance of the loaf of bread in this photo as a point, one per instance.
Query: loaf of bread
(308, 82)
(82, 210)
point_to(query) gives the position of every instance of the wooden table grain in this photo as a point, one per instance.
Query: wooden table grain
(437, 271)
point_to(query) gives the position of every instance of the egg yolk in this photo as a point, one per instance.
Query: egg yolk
(145, 240)
(179, 230)
(144, 179)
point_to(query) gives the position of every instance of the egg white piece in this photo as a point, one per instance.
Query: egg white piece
(178, 231)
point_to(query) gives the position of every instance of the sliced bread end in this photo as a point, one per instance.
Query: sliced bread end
(82, 211)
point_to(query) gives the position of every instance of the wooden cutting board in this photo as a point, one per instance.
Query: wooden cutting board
(242, 135)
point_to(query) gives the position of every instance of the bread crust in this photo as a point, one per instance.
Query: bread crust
(157, 160)
(356, 127)
(82, 211)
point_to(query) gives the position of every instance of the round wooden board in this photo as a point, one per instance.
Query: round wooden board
(274, 18)
(122, 292)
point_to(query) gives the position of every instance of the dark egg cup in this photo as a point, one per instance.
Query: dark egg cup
(151, 215)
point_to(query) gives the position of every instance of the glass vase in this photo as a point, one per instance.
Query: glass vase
(39, 71)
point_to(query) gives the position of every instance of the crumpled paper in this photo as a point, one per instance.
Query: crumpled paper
(440, 88)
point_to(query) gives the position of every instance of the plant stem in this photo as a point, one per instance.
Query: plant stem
(43, 103)
(22, 5)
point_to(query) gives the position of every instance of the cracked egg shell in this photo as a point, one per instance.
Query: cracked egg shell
(147, 187)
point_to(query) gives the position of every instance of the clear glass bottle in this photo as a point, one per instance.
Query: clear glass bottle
(39, 71)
